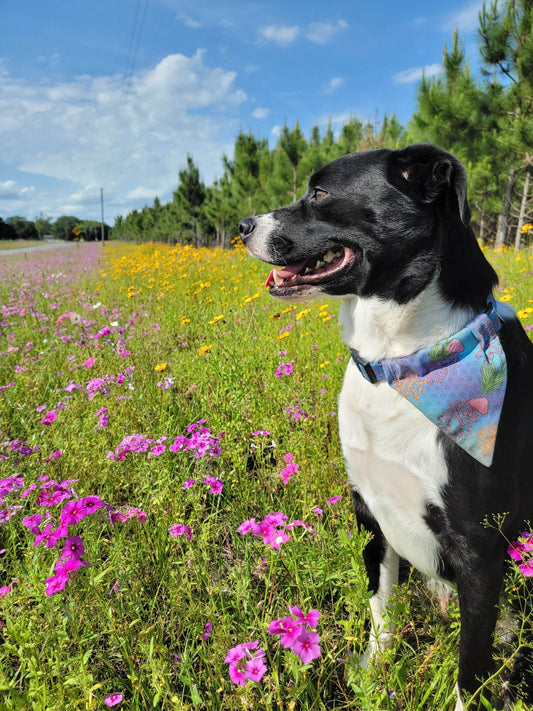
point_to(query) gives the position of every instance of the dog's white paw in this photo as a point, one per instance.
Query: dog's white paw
(376, 645)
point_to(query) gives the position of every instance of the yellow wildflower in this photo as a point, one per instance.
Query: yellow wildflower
(204, 349)
(161, 366)
(217, 318)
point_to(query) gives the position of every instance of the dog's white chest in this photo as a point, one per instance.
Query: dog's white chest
(395, 463)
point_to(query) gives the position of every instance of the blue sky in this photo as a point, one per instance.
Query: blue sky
(115, 93)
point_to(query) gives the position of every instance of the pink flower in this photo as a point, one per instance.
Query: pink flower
(73, 548)
(6, 589)
(307, 646)
(180, 529)
(73, 512)
(49, 417)
(33, 522)
(284, 369)
(89, 362)
(56, 583)
(113, 699)
(333, 500)
(245, 664)
(208, 631)
(311, 619)
(247, 526)
(289, 471)
(216, 484)
(188, 483)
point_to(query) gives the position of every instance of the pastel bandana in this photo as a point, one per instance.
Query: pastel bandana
(459, 384)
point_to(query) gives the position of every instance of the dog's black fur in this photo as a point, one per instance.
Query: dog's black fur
(404, 216)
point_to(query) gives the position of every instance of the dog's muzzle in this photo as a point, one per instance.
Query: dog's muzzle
(246, 227)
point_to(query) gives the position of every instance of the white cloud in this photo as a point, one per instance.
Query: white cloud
(317, 32)
(280, 34)
(189, 21)
(465, 20)
(100, 132)
(408, 76)
(322, 32)
(11, 190)
(260, 113)
(332, 84)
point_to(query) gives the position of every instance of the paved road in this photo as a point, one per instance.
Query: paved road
(37, 248)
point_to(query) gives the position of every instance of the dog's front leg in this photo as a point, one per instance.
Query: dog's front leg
(479, 589)
(382, 564)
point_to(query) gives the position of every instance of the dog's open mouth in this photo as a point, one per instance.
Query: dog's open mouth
(311, 271)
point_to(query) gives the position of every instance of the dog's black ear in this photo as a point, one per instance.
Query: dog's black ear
(427, 174)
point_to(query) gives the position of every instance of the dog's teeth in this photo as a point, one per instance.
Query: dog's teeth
(277, 279)
(329, 256)
(308, 270)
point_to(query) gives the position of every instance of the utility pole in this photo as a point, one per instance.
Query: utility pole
(102, 208)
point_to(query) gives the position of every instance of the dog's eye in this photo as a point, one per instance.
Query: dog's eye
(318, 194)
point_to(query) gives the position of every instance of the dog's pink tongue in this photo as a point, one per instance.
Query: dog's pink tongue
(286, 273)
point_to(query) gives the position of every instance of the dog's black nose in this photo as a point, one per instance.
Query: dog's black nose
(246, 227)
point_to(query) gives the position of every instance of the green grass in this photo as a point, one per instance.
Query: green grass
(132, 621)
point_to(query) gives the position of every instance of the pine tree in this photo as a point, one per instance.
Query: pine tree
(187, 202)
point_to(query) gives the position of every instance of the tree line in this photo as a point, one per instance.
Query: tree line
(486, 120)
(66, 227)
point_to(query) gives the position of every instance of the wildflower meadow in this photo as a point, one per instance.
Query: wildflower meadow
(175, 525)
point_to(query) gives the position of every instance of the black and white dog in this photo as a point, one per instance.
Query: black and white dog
(388, 232)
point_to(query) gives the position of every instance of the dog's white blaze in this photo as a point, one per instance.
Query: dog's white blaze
(257, 243)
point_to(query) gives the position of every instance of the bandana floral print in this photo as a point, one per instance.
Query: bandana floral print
(459, 384)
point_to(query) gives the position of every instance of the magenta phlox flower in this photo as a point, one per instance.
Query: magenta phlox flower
(73, 548)
(188, 483)
(50, 416)
(33, 522)
(261, 433)
(247, 526)
(284, 369)
(51, 535)
(289, 471)
(6, 589)
(28, 491)
(10, 483)
(333, 500)
(89, 362)
(180, 529)
(295, 634)
(165, 384)
(522, 552)
(208, 631)
(113, 699)
(157, 451)
(68, 565)
(8, 513)
(311, 619)
(126, 512)
(103, 417)
(275, 537)
(73, 512)
(56, 583)
(275, 519)
(246, 663)
(216, 484)
(307, 646)
(91, 504)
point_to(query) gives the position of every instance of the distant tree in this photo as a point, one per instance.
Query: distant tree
(6, 231)
(43, 225)
(63, 226)
(24, 229)
(187, 202)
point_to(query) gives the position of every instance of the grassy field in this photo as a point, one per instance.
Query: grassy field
(153, 401)
(7, 245)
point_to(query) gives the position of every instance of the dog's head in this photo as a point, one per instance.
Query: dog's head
(381, 223)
